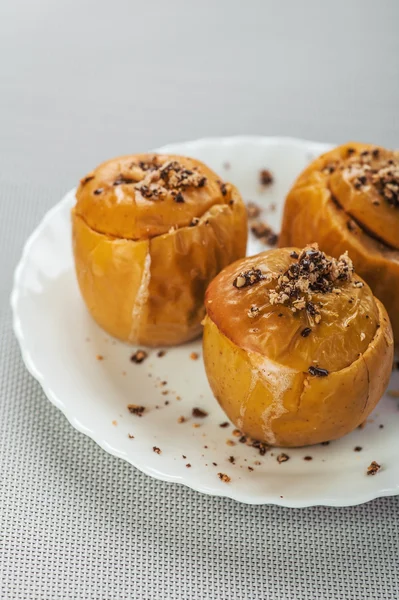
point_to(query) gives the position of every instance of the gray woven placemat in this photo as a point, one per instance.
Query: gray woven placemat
(76, 523)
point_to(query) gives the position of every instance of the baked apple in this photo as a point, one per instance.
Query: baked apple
(348, 199)
(297, 349)
(149, 233)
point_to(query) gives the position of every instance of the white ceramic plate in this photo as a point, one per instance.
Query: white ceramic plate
(60, 343)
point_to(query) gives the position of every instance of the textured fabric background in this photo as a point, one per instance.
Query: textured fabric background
(82, 81)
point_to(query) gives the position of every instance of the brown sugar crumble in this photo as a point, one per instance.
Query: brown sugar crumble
(357, 449)
(308, 458)
(265, 177)
(130, 436)
(313, 273)
(194, 356)
(115, 423)
(136, 409)
(373, 468)
(139, 356)
(99, 357)
(188, 465)
(230, 443)
(282, 458)
(223, 477)
(231, 459)
(157, 450)
(181, 419)
(225, 424)
(369, 169)
(155, 181)
(161, 353)
(199, 413)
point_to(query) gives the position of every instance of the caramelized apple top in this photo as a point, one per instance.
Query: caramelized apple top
(299, 308)
(141, 196)
(364, 181)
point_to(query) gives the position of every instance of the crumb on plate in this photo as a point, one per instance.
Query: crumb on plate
(139, 356)
(373, 468)
(136, 409)
(282, 458)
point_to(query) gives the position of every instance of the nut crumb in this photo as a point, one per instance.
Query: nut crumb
(114, 422)
(225, 424)
(196, 425)
(231, 459)
(306, 332)
(357, 448)
(130, 436)
(99, 357)
(265, 177)
(223, 477)
(194, 356)
(136, 409)
(253, 210)
(313, 273)
(188, 465)
(161, 353)
(199, 413)
(308, 458)
(373, 468)
(236, 432)
(157, 450)
(282, 458)
(181, 419)
(250, 468)
(139, 356)
(230, 443)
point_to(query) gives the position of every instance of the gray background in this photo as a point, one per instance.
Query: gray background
(80, 82)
